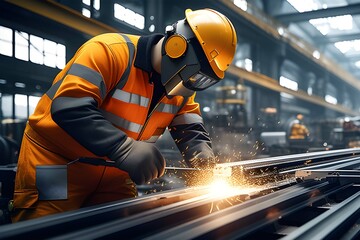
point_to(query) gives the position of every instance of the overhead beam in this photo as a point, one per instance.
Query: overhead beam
(355, 57)
(64, 15)
(351, 9)
(296, 44)
(336, 38)
(269, 83)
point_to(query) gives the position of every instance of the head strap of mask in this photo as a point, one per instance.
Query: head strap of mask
(179, 61)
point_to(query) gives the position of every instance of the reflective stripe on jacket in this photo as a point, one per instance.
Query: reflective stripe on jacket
(100, 97)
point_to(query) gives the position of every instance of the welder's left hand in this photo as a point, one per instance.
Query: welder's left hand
(203, 158)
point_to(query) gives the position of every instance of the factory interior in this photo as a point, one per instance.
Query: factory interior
(284, 122)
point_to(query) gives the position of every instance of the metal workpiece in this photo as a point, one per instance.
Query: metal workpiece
(275, 167)
(316, 201)
(241, 219)
(62, 223)
(148, 222)
(331, 224)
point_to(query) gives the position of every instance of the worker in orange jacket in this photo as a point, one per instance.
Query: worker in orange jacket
(298, 129)
(112, 100)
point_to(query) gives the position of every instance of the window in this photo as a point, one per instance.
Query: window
(86, 10)
(129, 16)
(348, 46)
(22, 45)
(325, 25)
(32, 48)
(60, 56)
(50, 53)
(331, 93)
(6, 41)
(245, 63)
(21, 106)
(7, 105)
(33, 101)
(330, 99)
(285, 82)
(241, 4)
(36, 49)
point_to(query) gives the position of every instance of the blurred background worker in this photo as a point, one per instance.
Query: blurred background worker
(299, 135)
(298, 128)
(111, 102)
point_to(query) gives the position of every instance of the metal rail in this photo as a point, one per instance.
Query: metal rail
(288, 164)
(290, 159)
(331, 223)
(86, 217)
(328, 206)
(242, 219)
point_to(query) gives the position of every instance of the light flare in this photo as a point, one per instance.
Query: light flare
(222, 187)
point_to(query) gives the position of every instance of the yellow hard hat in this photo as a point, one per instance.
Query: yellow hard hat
(217, 37)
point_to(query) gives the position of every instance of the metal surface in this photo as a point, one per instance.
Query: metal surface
(243, 219)
(328, 225)
(295, 208)
(87, 217)
(292, 159)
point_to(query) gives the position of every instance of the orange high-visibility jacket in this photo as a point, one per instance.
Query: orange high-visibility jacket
(299, 131)
(101, 96)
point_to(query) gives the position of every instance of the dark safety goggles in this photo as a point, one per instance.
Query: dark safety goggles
(199, 81)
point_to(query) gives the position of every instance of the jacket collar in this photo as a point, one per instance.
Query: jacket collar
(143, 54)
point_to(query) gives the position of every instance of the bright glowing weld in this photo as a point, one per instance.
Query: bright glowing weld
(221, 187)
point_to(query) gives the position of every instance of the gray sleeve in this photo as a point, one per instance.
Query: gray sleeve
(81, 119)
(191, 139)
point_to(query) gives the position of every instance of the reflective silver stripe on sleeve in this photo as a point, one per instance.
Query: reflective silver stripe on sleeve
(123, 123)
(53, 89)
(167, 108)
(153, 139)
(186, 118)
(130, 98)
(89, 75)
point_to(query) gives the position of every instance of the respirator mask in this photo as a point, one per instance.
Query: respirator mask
(184, 67)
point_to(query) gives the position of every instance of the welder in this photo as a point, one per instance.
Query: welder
(113, 100)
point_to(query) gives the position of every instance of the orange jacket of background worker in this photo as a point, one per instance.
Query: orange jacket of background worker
(112, 100)
(298, 129)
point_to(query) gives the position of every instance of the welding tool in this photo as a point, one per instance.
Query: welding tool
(219, 170)
(107, 163)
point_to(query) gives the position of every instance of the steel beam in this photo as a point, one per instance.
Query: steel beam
(330, 225)
(270, 161)
(62, 223)
(270, 27)
(151, 222)
(240, 220)
(351, 9)
(336, 38)
(269, 83)
(64, 15)
(190, 213)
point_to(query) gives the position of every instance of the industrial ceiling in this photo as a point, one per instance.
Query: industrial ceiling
(332, 26)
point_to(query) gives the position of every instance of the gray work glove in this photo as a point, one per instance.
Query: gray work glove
(141, 160)
(202, 158)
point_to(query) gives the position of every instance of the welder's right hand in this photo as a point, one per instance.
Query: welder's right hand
(141, 160)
